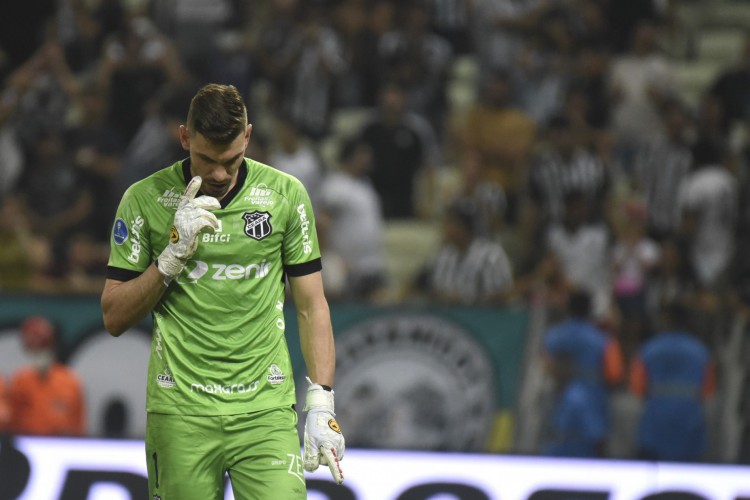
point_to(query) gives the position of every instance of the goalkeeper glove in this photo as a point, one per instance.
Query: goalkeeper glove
(192, 217)
(324, 443)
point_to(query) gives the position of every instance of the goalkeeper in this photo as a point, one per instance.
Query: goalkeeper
(206, 245)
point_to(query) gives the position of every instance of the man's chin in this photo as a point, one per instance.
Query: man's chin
(215, 191)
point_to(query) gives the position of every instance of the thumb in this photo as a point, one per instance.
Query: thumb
(193, 187)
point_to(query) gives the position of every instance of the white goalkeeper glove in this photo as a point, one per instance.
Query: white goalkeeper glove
(324, 443)
(192, 217)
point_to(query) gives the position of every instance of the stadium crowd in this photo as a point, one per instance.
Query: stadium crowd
(548, 139)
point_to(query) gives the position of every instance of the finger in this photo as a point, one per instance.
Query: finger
(206, 203)
(193, 187)
(329, 453)
(207, 220)
(311, 460)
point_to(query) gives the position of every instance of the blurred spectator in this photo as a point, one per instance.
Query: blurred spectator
(589, 80)
(487, 198)
(634, 257)
(595, 358)
(466, 269)
(661, 164)
(503, 137)
(314, 60)
(157, 140)
(46, 397)
(276, 38)
(541, 82)
(53, 196)
(578, 254)
(351, 218)
(708, 200)
(576, 426)
(673, 279)
(451, 19)
(81, 27)
(565, 166)
(137, 61)
(640, 81)
(97, 149)
(498, 28)
(403, 145)
(625, 16)
(25, 256)
(45, 88)
(710, 138)
(194, 26)
(419, 61)
(358, 27)
(674, 373)
(732, 89)
(294, 155)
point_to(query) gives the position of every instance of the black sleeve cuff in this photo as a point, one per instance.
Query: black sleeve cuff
(120, 274)
(304, 269)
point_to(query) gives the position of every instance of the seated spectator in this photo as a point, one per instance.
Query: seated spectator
(351, 218)
(466, 269)
(674, 373)
(46, 397)
(576, 426)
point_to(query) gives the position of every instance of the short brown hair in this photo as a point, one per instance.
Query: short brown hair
(218, 113)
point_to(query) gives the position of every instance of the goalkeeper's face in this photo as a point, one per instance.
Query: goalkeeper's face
(216, 164)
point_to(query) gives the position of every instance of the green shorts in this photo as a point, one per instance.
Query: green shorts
(188, 456)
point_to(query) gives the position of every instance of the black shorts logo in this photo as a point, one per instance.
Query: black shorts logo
(257, 224)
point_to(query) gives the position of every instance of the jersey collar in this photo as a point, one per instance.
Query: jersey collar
(241, 176)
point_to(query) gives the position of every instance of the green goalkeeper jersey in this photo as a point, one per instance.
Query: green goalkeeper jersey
(218, 344)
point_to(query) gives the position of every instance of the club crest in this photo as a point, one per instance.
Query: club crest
(257, 224)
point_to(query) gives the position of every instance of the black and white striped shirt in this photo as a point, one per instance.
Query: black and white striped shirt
(552, 178)
(659, 169)
(476, 276)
